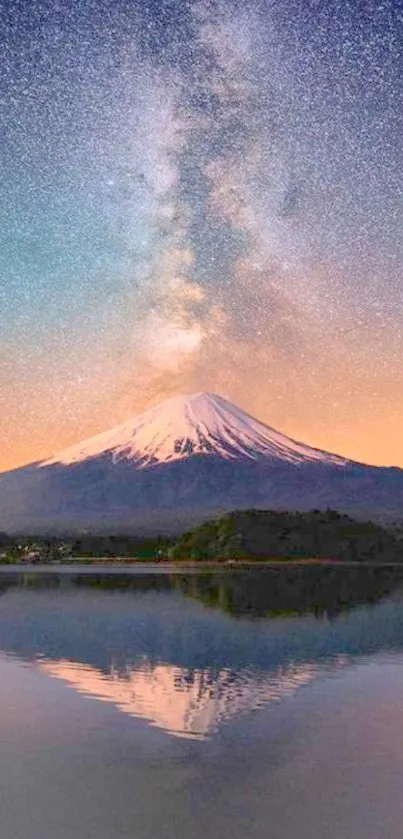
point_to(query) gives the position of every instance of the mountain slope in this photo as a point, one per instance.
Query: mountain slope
(186, 460)
(203, 423)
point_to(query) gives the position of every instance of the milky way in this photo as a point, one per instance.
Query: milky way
(202, 196)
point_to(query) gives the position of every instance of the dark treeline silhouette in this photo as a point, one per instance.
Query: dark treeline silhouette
(115, 545)
(255, 534)
(248, 535)
(51, 548)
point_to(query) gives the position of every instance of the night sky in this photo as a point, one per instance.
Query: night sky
(202, 196)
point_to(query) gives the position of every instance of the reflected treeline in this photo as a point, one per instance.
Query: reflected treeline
(143, 624)
(277, 591)
(99, 581)
(270, 592)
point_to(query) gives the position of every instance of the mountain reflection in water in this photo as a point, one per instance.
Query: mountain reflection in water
(153, 646)
(185, 703)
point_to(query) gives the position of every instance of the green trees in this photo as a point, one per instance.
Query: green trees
(265, 534)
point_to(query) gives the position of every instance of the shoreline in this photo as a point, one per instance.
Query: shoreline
(136, 566)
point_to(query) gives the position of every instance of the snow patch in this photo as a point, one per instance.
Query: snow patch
(184, 426)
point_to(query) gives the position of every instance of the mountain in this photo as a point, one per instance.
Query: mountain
(185, 460)
(201, 424)
(186, 703)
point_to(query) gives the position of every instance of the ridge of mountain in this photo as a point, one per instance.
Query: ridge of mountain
(182, 462)
(201, 423)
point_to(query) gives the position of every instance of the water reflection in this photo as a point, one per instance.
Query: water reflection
(287, 590)
(154, 647)
(272, 591)
(183, 702)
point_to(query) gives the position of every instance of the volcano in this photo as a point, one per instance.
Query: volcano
(200, 424)
(181, 462)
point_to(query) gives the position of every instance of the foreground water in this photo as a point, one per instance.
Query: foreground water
(253, 704)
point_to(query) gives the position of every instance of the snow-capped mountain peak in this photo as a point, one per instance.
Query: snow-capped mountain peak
(197, 424)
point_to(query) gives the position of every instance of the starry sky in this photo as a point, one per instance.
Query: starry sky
(202, 195)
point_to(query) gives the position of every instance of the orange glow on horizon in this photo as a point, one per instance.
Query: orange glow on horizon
(338, 415)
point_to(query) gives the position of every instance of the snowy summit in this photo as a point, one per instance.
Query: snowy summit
(201, 423)
(183, 462)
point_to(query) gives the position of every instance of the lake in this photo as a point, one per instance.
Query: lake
(260, 703)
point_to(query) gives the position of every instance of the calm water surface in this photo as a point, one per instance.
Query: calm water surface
(245, 704)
